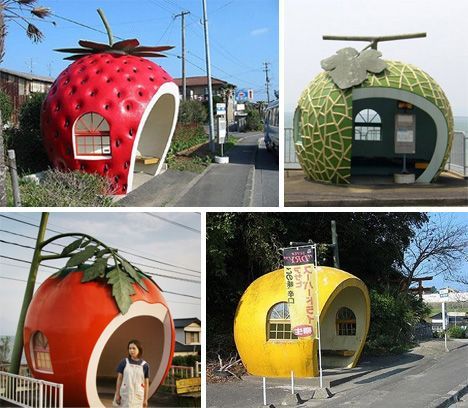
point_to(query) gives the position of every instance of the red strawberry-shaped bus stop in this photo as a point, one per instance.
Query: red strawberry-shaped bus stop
(111, 112)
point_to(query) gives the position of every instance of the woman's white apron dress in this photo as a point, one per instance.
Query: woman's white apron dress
(132, 389)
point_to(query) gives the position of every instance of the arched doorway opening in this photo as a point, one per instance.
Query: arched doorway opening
(375, 155)
(155, 133)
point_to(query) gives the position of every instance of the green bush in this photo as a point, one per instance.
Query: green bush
(6, 107)
(188, 361)
(67, 189)
(253, 121)
(393, 316)
(187, 136)
(26, 141)
(456, 332)
(192, 112)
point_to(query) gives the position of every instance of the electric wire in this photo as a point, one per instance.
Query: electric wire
(40, 283)
(174, 223)
(123, 251)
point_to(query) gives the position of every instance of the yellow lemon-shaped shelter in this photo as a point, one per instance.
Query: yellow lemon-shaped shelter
(262, 328)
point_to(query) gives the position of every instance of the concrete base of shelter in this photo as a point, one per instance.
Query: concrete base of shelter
(322, 393)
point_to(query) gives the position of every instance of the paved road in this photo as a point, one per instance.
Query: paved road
(413, 380)
(250, 179)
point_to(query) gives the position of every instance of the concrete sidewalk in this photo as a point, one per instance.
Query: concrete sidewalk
(449, 190)
(417, 379)
(249, 179)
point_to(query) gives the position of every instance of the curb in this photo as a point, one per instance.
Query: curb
(451, 397)
(188, 187)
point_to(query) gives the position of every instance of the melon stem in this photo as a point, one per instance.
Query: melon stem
(107, 26)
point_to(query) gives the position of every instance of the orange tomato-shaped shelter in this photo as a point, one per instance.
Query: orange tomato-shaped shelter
(75, 335)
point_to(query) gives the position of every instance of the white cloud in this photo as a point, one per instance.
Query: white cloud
(259, 31)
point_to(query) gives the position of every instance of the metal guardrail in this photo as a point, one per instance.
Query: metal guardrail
(457, 163)
(290, 158)
(30, 392)
(458, 160)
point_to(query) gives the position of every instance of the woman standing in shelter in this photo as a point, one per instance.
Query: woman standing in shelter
(133, 378)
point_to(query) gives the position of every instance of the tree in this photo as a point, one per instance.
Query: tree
(192, 112)
(6, 106)
(439, 247)
(243, 246)
(5, 348)
(15, 10)
(26, 141)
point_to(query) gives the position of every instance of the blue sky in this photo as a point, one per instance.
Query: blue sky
(150, 238)
(243, 35)
(457, 218)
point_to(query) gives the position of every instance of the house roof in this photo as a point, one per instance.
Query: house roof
(200, 81)
(179, 347)
(30, 77)
(181, 323)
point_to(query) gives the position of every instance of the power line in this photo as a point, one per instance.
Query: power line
(52, 267)
(123, 251)
(25, 246)
(62, 246)
(16, 279)
(83, 25)
(181, 294)
(27, 223)
(29, 263)
(174, 223)
(172, 293)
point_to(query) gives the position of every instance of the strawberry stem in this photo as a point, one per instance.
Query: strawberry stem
(107, 26)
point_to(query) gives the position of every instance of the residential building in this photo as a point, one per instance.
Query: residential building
(187, 336)
(19, 85)
(197, 89)
(451, 319)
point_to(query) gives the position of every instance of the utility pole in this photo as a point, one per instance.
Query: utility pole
(18, 345)
(267, 80)
(182, 14)
(30, 63)
(336, 253)
(208, 75)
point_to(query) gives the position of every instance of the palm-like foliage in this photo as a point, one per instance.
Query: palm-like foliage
(22, 13)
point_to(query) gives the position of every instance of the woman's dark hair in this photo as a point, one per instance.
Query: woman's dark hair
(139, 347)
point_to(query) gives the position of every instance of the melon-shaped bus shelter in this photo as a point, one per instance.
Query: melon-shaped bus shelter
(75, 335)
(262, 328)
(326, 119)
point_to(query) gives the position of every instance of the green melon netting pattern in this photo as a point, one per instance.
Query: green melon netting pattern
(323, 135)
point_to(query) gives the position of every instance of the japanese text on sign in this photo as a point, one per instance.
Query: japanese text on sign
(300, 289)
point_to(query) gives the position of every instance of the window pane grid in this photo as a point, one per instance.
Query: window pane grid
(41, 352)
(345, 322)
(92, 135)
(92, 145)
(368, 126)
(346, 329)
(279, 323)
